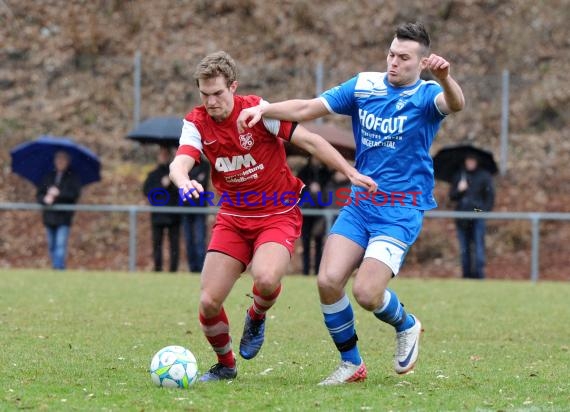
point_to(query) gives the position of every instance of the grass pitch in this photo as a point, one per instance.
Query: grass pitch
(84, 340)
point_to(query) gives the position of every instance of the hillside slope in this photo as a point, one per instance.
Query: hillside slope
(66, 68)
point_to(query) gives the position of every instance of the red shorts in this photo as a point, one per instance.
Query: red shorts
(239, 237)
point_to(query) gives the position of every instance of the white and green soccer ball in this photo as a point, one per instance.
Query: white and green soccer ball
(173, 367)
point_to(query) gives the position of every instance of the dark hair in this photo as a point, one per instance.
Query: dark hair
(62, 153)
(217, 64)
(415, 32)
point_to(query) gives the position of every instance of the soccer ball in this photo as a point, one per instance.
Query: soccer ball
(173, 367)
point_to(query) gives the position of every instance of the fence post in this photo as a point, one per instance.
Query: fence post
(535, 242)
(319, 75)
(137, 89)
(132, 239)
(504, 122)
(328, 220)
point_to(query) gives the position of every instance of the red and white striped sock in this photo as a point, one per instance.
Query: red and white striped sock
(262, 304)
(217, 331)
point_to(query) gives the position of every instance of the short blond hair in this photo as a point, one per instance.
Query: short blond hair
(217, 64)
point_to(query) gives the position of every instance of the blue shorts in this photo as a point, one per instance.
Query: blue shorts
(385, 232)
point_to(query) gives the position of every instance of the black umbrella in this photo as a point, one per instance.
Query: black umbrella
(32, 160)
(162, 130)
(449, 160)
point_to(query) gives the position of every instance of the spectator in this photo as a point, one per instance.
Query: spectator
(315, 176)
(158, 186)
(194, 225)
(61, 186)
(473, 190)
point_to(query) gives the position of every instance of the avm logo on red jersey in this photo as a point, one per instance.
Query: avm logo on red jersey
(226, 164)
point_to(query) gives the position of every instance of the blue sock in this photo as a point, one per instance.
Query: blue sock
(339, 319)
(393, 313)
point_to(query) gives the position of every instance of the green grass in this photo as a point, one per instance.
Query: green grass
(84, 340)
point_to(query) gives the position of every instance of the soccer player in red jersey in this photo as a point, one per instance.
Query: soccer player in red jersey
(259, 220)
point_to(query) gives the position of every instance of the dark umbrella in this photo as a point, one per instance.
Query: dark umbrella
(163, 130)
(33, 160)
(449, 160)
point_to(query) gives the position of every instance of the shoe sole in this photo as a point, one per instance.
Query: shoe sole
(247, 357)
(355, 380)
(218, 379)
(358, 378)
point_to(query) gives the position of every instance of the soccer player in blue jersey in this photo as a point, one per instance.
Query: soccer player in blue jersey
(395, 117)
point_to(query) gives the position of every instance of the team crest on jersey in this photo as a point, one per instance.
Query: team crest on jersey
(246, 141)
(400, 104)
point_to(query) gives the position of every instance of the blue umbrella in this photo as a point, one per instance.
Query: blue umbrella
(33, 160)
(163, 130)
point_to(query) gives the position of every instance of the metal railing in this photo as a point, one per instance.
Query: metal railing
(132, 210)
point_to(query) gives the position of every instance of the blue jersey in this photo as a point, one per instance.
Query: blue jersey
(393, 128)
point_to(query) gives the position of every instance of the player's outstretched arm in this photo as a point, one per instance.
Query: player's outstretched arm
(452, 99)
(179, 169)
(317, 146)
(296, 110)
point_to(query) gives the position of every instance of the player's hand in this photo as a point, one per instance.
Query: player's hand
(191, 189)
(360, 180)
(248, 118)
(438, 66)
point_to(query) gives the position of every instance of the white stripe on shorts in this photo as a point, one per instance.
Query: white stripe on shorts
(387, 250)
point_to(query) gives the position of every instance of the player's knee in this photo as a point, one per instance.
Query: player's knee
(328, 282)
(209, 307)
(266, 283)
(366, 297)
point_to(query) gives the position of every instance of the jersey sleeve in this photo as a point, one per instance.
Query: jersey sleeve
(340, 99)
(279, 128)
(190, 141)
(433, 89)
